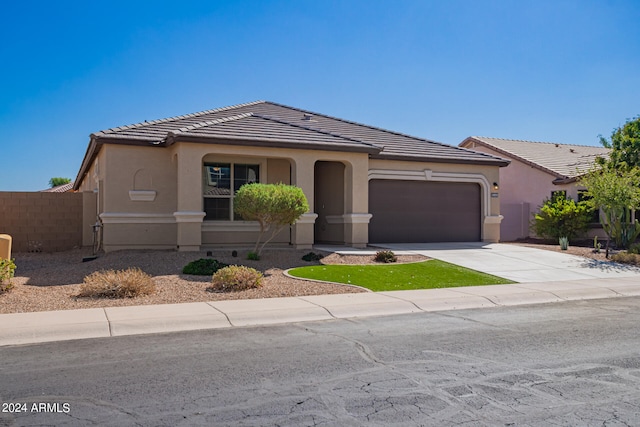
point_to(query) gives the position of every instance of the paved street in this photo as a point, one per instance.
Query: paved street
(570, 363)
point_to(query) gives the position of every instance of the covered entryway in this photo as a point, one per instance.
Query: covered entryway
(329, 202)
(419, 211)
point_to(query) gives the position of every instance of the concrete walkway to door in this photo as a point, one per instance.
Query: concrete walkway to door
(518, 263)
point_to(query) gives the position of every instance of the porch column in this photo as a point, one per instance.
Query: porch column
(189, 215)
(491, 228)
(357, 216)
(302, 176)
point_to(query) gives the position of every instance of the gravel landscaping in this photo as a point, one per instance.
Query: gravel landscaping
(51, 281)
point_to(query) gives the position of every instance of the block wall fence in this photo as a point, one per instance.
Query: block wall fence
(42, 222)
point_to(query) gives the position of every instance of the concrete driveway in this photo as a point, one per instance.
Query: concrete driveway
(518, 263)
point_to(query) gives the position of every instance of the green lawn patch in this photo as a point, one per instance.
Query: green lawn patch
(428, 274)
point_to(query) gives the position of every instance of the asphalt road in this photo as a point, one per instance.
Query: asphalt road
(573, 363)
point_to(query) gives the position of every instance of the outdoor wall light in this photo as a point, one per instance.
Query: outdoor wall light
(496, 186)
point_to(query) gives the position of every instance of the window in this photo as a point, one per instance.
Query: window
(595, 214)
(220, 182)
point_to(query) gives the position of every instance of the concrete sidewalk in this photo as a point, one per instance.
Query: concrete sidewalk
(25, 328)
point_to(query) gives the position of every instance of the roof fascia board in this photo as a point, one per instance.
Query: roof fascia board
(488, 162)
(89, 156)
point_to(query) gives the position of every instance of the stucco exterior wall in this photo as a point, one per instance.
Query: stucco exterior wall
(523, 189)
(152, 197)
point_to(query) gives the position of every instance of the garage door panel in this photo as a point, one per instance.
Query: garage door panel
(418, 211)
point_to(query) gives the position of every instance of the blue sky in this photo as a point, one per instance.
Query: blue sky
(560, 71)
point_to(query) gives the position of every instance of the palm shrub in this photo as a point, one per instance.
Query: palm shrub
(560, 216)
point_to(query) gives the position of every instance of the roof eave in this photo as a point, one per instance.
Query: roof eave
(487, 162)
(89, 156)
(96, 140)
(174, 138)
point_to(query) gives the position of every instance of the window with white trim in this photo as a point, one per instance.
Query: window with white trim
(220, 183)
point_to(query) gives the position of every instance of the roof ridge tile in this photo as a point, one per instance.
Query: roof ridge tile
(180, 117)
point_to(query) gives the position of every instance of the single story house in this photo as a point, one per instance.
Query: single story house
(537, 170)
(170, 183)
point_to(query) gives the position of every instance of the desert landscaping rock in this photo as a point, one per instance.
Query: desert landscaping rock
(51, 281)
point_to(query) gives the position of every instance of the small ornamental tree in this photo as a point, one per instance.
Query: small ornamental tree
(560, 216)
(624, 145)
(274, 206)
(617, 193)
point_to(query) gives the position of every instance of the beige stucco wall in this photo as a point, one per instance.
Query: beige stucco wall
(151, 197)
(523, 189)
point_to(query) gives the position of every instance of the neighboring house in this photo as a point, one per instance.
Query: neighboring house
(536, 171)
(170, 183)
(64, 188)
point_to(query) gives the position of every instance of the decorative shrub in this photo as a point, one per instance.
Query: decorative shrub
(634, 249)
(203, 267)
(273, 206)
(7, 270)
(253, 256)
(626, 258)
(561, 217)
(128, 283)
(312, 256)
(236, 278)
(386, 256)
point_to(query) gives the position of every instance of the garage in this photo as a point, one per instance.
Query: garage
(419, 211)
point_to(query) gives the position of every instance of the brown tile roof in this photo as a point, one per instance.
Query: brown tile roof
(271, 124)
(565, 161)
(59, 188)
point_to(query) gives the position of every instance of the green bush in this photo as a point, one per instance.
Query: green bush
(128, 283)
(634, 249)
(253, 256)
(385, 256)
(312, 256)
(203, 267)
(236, 278)
(561, 217)
(626, 258)
(7, 270)
(273, 206)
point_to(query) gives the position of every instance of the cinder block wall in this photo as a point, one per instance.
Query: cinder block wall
(43, 222)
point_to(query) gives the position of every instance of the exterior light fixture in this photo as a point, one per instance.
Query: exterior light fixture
(496, 186)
